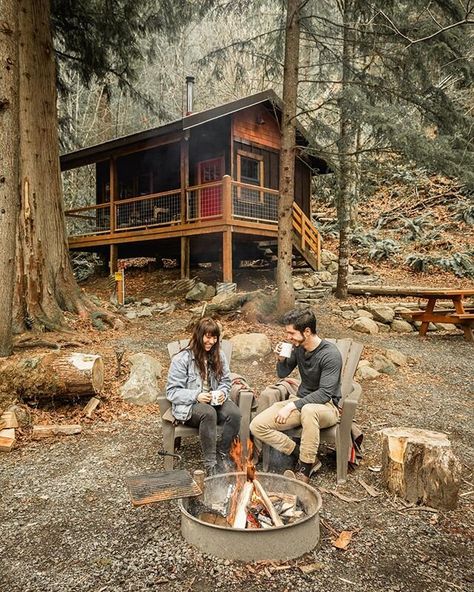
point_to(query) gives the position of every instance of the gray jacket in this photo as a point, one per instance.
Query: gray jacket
(185, 383)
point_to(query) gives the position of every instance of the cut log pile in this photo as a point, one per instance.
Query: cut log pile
(8, 424)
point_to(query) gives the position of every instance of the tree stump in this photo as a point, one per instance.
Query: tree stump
(420, 467)
(52, 375)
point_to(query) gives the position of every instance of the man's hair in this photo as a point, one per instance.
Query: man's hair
(301, 318)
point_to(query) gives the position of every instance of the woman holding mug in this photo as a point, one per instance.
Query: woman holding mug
(198, 388)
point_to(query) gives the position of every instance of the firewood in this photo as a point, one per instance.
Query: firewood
(91, 407)
(420, 467)
(8, 420)
(45, 431)
(277, 521)
(240, 519)
(7, 440)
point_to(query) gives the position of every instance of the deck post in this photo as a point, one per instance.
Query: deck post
(113, 192)
(227, 199)
(185, 257)
(227, 255)
(184, 176)
(113, 259)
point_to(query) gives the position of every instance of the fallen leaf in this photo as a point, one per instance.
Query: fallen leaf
(369, 489)
(343, 540)
(310, 567)
(375, 469)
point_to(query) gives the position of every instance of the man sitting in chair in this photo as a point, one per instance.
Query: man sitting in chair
(315, 404)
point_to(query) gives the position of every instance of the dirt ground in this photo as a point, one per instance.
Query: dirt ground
(67, 524)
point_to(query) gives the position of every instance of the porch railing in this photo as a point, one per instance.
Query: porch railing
(307, 236)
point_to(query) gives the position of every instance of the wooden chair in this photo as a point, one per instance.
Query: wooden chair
(340, 434)
(171, 432)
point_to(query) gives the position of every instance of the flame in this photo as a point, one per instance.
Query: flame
(244, 464)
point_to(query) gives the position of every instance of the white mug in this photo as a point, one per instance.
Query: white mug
(285, 349)
(215, 397)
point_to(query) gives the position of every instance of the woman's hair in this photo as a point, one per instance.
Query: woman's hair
(206, 326)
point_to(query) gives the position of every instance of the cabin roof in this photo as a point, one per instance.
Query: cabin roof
(102, 151)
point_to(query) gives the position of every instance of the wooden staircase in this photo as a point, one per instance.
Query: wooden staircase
(306, 241)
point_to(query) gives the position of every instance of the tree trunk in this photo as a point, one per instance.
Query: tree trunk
(45, 285)
(346, 149)
(9, 200)
(286, 293)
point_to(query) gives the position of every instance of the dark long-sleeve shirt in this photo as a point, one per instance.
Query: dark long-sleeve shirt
(320, 372)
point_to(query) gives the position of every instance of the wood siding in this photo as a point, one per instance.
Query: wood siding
(258, 126)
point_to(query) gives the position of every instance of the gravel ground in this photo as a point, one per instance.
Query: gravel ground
(66, 522)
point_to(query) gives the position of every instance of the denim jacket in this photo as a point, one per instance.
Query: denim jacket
(185, 383)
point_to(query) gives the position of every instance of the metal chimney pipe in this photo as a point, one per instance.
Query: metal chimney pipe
(189, 94)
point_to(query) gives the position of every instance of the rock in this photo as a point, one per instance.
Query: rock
(146, 302)
(349, 315)
(141, 387)
(400, 326)
(131, 314)
(323, 276)
(261, 309)
(327, 257)
(383, 365)
(400, 309)
(363, 363)
(332, 267)
(298, 284)
(119, 325)
(145, 312)
(365, 313)
(200, 292)
(364, 325)
(431, 326)
(383, 328)
(345, 307)
(444, 326)
(311, 281)
(383, 314)
(367, 373)
(248, 346)
(222, 297)
(396, 357)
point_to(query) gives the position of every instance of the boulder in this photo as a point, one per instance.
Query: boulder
(363, 363)
(400, 326)
(444, 326)
(364, 325)
(298, 283)
(248, 346)
(311, 281)
(141, 387)
(327, 257)
(323, 276)
(365, 313)
(131, 314)
(383, 314)
(146, 302)
(200, 292)
(383, 365)
(396, 357)
(367, 373)
(332, 267)
(383, 328)
(145, 312)
(431, 326)
(349, 315)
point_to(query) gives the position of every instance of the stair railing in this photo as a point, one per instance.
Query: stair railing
(306, 235)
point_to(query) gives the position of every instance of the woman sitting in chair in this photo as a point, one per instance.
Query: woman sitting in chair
(198, 388)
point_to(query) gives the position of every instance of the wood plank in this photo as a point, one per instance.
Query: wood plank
(7, 440)
(8, 420)
(156, 487)
(45, 431)
(91, 406)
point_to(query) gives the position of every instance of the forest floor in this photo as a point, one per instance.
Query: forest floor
(67, 524)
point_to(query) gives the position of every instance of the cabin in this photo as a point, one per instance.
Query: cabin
(202, 188)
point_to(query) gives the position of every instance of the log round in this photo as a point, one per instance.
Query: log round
(420, 467)
(55, 374)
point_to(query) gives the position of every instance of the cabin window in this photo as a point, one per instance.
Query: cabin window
(250, 172)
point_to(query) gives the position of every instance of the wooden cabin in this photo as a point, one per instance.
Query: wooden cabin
(202, 188)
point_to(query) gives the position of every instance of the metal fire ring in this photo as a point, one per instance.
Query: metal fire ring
(278, 543)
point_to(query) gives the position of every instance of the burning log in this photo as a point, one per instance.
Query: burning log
(240, 519)
(277, 521)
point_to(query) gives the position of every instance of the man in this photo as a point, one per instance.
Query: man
(315, 404)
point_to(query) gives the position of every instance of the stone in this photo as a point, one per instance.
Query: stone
(365, 313)
(311, 281)
(383, 365)
(383, 314)
(131, 314)
(248, 346)
(363, 363)
(444, 326)
(332, 267)
(364, 325)
(323, 276)
(346, 307)
(396, 357)
(298, 284)
(349, 315)
(200, 292)
(146, 302)
(327, 257)
(400, 326)
(142, 387)
(145, 312)
(119, 325)
(383, 328)
(367, 373)
(400, 309)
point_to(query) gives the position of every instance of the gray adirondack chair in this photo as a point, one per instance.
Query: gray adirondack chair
(340, 434)
(171, 431)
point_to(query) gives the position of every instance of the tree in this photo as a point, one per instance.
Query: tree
(9, 119)
(286, 293)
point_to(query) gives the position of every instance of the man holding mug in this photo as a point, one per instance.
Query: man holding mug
(315, 404)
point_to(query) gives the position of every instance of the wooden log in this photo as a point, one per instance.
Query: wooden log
(277, 521)
(7, 440)
(91, 407)
(241, 511)
(419, 466)
(54, 374)
(8, 420)
(45, 431)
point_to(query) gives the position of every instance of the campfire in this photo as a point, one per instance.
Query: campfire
(247, 505)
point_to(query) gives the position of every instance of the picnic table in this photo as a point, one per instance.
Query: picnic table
(457, 316)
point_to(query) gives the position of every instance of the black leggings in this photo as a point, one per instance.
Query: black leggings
(206, 417)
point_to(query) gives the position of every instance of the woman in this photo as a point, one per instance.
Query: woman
(196, 374)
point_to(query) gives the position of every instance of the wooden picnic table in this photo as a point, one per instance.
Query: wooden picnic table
(458, 316)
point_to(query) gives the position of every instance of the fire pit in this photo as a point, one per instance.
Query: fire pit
(253, 544)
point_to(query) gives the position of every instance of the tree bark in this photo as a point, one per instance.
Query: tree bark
(346, 149)
(45, 285)
(286, 293)
(9, 182)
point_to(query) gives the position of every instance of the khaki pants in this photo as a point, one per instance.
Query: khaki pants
(311, 418)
